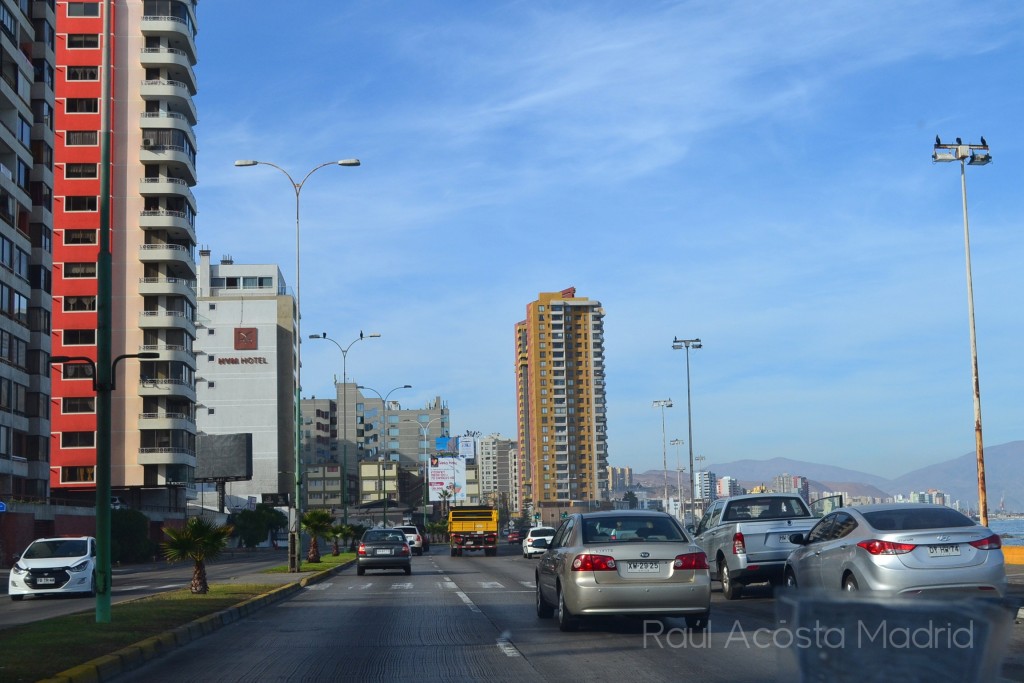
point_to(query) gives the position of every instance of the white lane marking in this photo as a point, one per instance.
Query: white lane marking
(505, 645)
(469, 603)
(528, 584)
(449, 584)
(401, 586)
(491, 584)
(365, 586)
(319, 586)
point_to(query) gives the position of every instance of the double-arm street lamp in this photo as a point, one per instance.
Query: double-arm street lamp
(344, 412)
(687, 344)
(974, 155)
(663, 403)
(424, 433)
(384, 433)
(103, 386)
(294, 549)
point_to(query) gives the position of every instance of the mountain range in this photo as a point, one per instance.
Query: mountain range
(958, 477)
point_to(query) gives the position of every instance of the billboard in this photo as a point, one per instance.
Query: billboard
(447, 472)
(223, 457)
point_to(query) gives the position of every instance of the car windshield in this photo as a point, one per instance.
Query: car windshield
(384, 535)
(608, 529)
(914, 518)
(41, 550)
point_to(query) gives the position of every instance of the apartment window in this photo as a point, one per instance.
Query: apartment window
(83, 9)
(81, 138)
(80, 203)
(83, 73)
(82, 105)
(77, 371)
(81, 473)
(76, 270)
(79, 237)
(83, 41)
(72, 171)
(78, 404)
(78, 304)
(79, 337)
(78, 440)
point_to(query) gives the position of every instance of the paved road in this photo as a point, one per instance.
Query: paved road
(472, 618)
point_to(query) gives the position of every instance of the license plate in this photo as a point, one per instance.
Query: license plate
(943, 550)
(46, 580)
(469, 542)
(642, 567)
(383, 551)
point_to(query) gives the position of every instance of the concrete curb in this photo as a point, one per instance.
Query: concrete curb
(116, 663)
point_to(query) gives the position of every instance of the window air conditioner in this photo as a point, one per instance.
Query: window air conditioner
(148, 142)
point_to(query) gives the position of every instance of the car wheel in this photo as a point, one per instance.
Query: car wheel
(360, 570)
(566, 620)
(92, 586)
(697, 623)
(544, 610)
(730, 589)
(408, 570)
(850, 584)
(790, 581)
(17, 598)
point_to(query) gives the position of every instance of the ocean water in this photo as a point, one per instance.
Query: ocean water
(1011, 530)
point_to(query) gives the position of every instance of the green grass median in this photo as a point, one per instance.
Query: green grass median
(38, 650)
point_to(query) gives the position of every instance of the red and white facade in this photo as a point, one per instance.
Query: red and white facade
(152, 241)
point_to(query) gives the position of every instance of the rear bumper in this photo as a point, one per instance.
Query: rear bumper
(384, 562)
(674, 599)
(758, 572)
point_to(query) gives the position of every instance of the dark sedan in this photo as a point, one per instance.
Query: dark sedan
(383, 549)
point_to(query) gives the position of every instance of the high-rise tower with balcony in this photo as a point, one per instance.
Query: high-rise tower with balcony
(560, 397)
(152, 239)
(27, 99)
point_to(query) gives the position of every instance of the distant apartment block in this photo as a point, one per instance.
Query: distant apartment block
(560, 399)
(729, 486)
(787, 483)
(706, 486)
(620, 478)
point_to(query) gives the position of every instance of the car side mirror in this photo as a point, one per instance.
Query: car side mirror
(797, 539)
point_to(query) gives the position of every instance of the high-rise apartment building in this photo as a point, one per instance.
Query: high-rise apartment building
(620, 478)
(560, 396)
(27, 63)
(495, 469)
(152, 241)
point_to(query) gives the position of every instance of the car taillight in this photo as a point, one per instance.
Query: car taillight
(456, 538)
(739, 547)
(993, 542)
(419, 539)
(405, 549)
(593, 563)
(691, 561)
(876, 547)
(362, 549)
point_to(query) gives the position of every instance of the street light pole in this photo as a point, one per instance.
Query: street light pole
(294, 539)
(424, 433)
(686, 344)
(679, 485)
(975, 155)
(663, 403)
(344, 413)
(384, 433)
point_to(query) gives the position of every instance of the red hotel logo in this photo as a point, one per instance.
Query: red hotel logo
(248, 360)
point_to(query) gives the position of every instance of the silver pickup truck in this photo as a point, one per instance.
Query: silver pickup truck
(746, 538)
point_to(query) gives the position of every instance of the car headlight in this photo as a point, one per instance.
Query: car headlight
(18, 570)
(80, 567)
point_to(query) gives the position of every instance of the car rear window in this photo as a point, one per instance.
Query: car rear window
(377, 536)
(765, 508)
(608, 529)
(541, 531)
(912, 519)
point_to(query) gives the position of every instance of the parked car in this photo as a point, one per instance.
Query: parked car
(383, 549)
(530, 545)
(416, 540)
(904, 549)
(746, 538)
(515, 536)
(51, 566)
(623, 562)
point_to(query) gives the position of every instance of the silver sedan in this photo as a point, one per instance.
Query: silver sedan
(898, 550)
(623, 562)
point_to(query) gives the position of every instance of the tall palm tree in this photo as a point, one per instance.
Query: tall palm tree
(339, 533)
(316, 523)
(199, 540)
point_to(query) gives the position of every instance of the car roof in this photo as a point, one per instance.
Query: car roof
(879, 507)
(624, 513)
(65, 538)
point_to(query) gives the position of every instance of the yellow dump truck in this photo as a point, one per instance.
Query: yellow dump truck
(473, 527)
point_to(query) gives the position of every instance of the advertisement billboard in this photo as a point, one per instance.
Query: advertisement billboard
(447, 473)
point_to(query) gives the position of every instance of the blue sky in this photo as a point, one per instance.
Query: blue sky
(757, 175)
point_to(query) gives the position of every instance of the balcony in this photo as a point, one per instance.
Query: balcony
(179, 421)
(167, 286)
(175, 62)
(175, 256)
(180, 162)
(166, 186)
(175, 95)
(177, 32)
(174, 222)
(172, 352)
(162, 320)
(177, 388)
(167, 455)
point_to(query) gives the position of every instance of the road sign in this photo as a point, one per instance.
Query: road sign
(3, 506)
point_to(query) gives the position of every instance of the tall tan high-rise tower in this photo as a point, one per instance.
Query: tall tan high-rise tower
(562, 422)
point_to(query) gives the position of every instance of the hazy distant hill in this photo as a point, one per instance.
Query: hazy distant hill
(1004, 468)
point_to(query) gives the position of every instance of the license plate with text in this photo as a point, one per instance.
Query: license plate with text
(48, 580)
(383, 551)
(943, 550)
(651, 567)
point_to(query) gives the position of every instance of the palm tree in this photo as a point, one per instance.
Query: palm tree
(199, 540)
(357, 532)
(316, 523)
(339, 533)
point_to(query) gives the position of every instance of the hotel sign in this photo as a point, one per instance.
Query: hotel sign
(243, 360)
